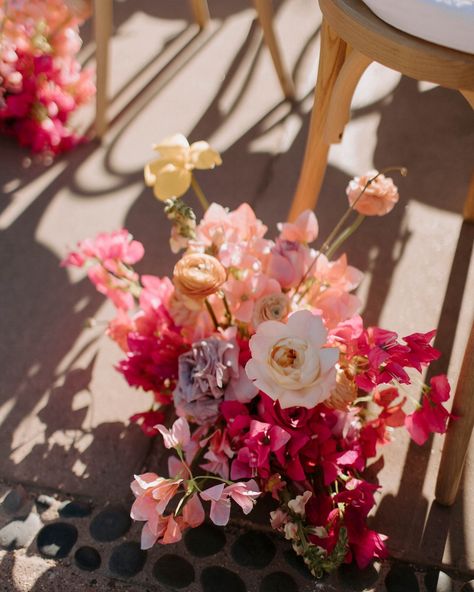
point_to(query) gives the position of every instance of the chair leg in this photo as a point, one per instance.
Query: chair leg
(339, 110)
(331, 59)
(201, 12)
(265, 17)
(103, 16)
(459, 431)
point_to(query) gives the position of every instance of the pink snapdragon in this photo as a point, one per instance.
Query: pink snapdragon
(243, 494)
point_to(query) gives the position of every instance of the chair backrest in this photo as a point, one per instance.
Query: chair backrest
(414, 57)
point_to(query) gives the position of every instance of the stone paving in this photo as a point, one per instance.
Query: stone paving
(64, 411)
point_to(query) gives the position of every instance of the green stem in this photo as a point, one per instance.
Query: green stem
(345, 235)
(206, 477)
(325, 246)
(199, 193)
(211, 313)
(228, 313)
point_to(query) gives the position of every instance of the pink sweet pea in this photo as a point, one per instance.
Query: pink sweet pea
(179, 435)
(304, 229)
(244, 494)
(193, 512)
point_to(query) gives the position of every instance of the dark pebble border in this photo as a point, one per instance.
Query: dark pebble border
(105, 542)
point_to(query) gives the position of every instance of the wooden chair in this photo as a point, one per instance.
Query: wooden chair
(103, 18)
(352, 37)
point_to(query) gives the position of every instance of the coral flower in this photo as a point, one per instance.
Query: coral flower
(170, 174)
(289, 362)
(378, 199)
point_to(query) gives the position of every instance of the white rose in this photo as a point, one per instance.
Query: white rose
(289, 362)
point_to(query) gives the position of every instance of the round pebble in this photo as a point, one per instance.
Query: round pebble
(468, 587)
(110, 524)
(14, 499)
(278, 581)
(438, 581)
(57, 539)
(358, 579)
(75, 509)
(18, 533)
(174, 571)
(87, 558)
(217, 579)
(401, 578)
(127, 559)
(253, 549)
(205, 540)
(296, 562)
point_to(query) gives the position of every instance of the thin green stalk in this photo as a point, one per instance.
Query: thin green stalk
(345, 235)
(199, 193)
(211, 313)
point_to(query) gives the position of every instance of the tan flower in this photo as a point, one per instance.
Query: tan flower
(345, 391)
(198, 275)
(170, 174)
(379, 198)
(273, 307)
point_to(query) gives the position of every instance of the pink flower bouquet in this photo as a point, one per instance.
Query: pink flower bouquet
(257, 346)
(41, 81)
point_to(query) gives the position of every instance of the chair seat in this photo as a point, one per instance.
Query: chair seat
(446, 22)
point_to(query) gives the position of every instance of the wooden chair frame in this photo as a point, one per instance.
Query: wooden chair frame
(352, 37)
(103, 18)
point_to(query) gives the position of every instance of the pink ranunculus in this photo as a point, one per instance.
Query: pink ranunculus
(304, 229)
(379, 197)
(290, 363)
(179, 435)
(244, 494)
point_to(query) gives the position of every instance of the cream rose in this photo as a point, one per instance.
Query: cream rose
(198, 275)
(289, 362)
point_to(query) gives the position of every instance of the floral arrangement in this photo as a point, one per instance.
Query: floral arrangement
(257, 347)
(41, 81)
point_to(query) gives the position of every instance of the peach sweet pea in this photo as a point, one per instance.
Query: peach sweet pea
(289, 362)
(379, 198)
(170, 174)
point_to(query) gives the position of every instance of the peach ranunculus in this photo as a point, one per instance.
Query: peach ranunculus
(170, 174)
(290, 363)
(198, 275)
(379, 198)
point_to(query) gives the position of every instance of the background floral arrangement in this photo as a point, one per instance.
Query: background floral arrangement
(258, 348)
(41, 81)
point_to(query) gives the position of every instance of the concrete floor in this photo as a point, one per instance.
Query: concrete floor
(63, 409)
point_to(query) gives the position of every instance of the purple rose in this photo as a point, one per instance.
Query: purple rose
(207, 374)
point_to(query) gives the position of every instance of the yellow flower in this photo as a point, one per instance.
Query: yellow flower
(171, 173)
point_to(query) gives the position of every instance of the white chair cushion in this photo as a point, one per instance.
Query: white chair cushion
(445, 22)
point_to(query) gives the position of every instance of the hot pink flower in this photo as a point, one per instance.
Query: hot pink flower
(148, 420)
(244, 494)
(431, 416)
(253, 457)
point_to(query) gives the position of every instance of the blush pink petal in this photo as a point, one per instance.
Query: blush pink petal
(213, 493)
(304, 229)
(148, 539)
(172, 533)
(193, 512)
